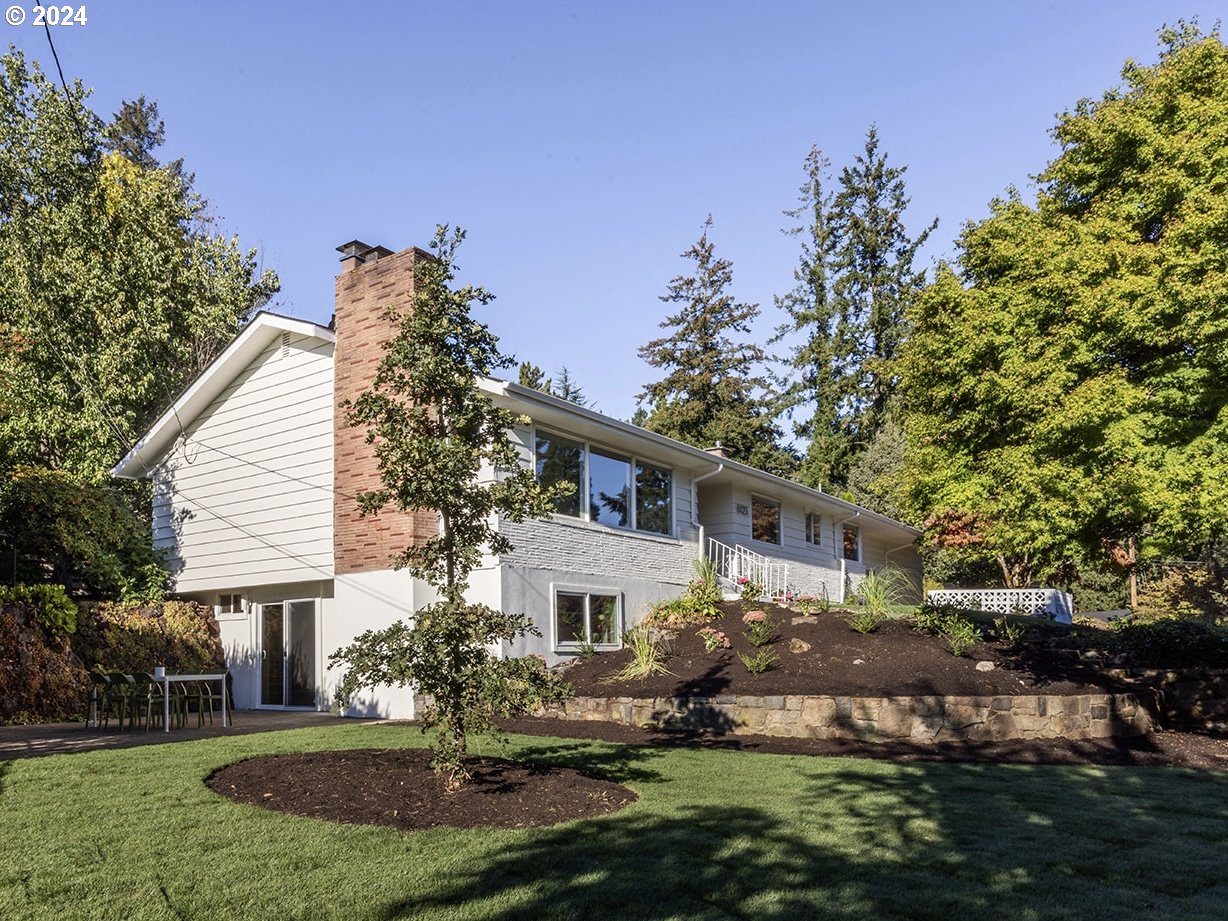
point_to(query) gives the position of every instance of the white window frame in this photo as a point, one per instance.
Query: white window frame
(780, 520)
(587, 591)
(224, 608)
(812, 525)
(634, 459)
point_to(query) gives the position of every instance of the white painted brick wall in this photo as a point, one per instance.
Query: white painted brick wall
(805, 579)
(580, 547)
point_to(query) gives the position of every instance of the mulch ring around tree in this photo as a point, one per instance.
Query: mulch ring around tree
(398, 788)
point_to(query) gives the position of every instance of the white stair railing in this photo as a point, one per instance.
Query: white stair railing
(738, 562)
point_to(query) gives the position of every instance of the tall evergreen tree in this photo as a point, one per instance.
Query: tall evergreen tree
(818, 378)
(711, 392)
(855, 280)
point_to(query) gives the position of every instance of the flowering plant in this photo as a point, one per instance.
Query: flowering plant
(759, 627)
(713, 639)
(750, 590)
(807, 604)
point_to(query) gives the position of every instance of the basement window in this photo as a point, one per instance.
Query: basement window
(583, 618)
(230, 607)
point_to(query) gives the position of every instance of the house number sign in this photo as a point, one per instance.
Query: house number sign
(742, 509)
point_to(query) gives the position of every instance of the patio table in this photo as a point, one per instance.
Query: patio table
(166, 679)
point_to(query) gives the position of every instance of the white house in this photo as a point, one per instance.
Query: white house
(255, 475)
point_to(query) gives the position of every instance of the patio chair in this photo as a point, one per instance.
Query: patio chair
(118, 698)
(149, 697)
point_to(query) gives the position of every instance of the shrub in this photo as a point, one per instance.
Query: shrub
(960, 634)
(40, 677)
(1183, 592)
(759, 627)
(1170, 643)
(866, 620)
(646, 653)
(807, 605)
(751, 591)
(127, 637)
(713, 639)
(53, 610)
(760, 661)
(932, 618)
(1008, 632)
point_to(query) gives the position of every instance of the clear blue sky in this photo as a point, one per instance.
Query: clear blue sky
(583, 144)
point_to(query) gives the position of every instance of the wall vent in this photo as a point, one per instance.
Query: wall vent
(285, 345)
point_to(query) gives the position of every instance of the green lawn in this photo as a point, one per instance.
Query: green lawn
(135, 834)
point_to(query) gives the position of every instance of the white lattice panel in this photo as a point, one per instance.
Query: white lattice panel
(1039, 602)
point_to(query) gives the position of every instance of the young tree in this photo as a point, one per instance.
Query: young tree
(434, 434)
(1069, 388)
(711, 392)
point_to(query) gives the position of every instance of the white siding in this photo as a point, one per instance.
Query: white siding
(246, 497)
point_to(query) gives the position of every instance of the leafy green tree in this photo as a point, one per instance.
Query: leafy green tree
(711, 392)
(434, 433)
(114, 293)
(81, 535)
(1068, 387)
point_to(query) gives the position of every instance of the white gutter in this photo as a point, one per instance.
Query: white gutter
(695, 494)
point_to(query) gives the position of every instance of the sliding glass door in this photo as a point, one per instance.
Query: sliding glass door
(288, 654)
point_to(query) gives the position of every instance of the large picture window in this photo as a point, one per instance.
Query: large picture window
(618, 491)
(765, 520)
(586, 618)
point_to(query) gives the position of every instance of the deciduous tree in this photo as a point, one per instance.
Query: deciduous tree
(1068, 387)
(434, 433)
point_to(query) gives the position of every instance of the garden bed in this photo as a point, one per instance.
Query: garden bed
(894, 660)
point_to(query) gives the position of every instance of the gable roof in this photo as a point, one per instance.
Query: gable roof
(259, 333)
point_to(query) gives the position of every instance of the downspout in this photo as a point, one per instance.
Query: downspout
(703, 544)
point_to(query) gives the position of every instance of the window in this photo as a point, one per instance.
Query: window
(586, 617)
(230, 604)
(814, 528)
(609, 489)
(852, 542)
(622, 492)
(561, 461)
(765, 520)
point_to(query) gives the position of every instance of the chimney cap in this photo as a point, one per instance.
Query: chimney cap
(719, 450)
(364, 251)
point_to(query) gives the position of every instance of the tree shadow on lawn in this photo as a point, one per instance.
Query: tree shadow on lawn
(872, 840)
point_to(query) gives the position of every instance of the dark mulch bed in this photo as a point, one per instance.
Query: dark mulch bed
(893, 659)
(1178, 749)
(397, 787)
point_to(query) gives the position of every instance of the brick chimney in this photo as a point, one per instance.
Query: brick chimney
(372, 279)
(719, 450)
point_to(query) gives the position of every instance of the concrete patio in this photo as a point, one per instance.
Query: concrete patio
(62, 738)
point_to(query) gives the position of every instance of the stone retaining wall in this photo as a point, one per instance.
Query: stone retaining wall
(878, 719)
(1187, 698)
